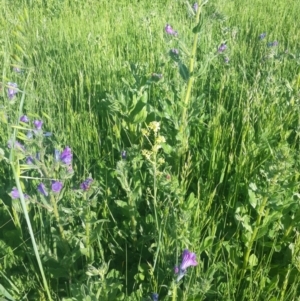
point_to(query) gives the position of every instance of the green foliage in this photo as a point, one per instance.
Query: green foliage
(212, 154)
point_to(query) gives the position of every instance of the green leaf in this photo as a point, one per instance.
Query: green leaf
(252, 260)
(197, 28)
(184, 71)
(252, 198)
(206, 243)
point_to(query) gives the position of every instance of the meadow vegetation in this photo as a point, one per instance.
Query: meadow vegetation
(149, 150)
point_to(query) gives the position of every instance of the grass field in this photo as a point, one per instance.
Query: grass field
(125, 143)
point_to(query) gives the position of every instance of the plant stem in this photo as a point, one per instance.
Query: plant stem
(189, 85)
(254, 234)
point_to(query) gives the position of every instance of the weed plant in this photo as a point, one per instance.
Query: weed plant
(149, 150)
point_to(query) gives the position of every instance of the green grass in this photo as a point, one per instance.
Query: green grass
(225, 183)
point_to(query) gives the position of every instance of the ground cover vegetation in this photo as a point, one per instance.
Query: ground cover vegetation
(149, 150)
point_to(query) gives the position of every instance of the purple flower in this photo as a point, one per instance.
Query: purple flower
(17, 69)
(56, 186)
(12, 90)
(154, 297)
(123, 154)
(272, 44)
(42, 189)
(38, 124)
(262, 36)
(175, 51)
(29, 160)
(24, 118)
(169, 30)
(66, 156)
(156, 76)
(222, 48)
(18, 145)
(16, 195)
(226, 59)
(188, 259)
(195, 7)
(86, 184)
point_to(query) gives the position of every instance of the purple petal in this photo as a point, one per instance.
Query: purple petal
(154, 297)
(42, 189)
(15, 193)
(66, 156)
(12, 90)
(86, 184)
(24, 118)
(56, 186)
(188, 259)
(38, 124)
(195, 7)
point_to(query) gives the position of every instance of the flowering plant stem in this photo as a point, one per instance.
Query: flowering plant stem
(174, 295)
(16, 173)
(189, 86)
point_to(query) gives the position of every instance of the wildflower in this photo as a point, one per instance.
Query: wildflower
(123, 154)
(156, 76)
(155, 126)
(56, 155)
(38, 124)
(262, 36)
(272, 44)
(174, 54)
(174, 51)
(12, 90)
(169, 30)
(160, 139)
(29, 160)
(56, 186)
(16, 195)
(17, 69)
(29, 134)
(86, 184)
(195, 7)
(226, 59)
(222, 48)
(66, 156)
(42, 189)
(188, 259)
(24, 118)
(18, 145)
(154, 297)
(147, 154)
